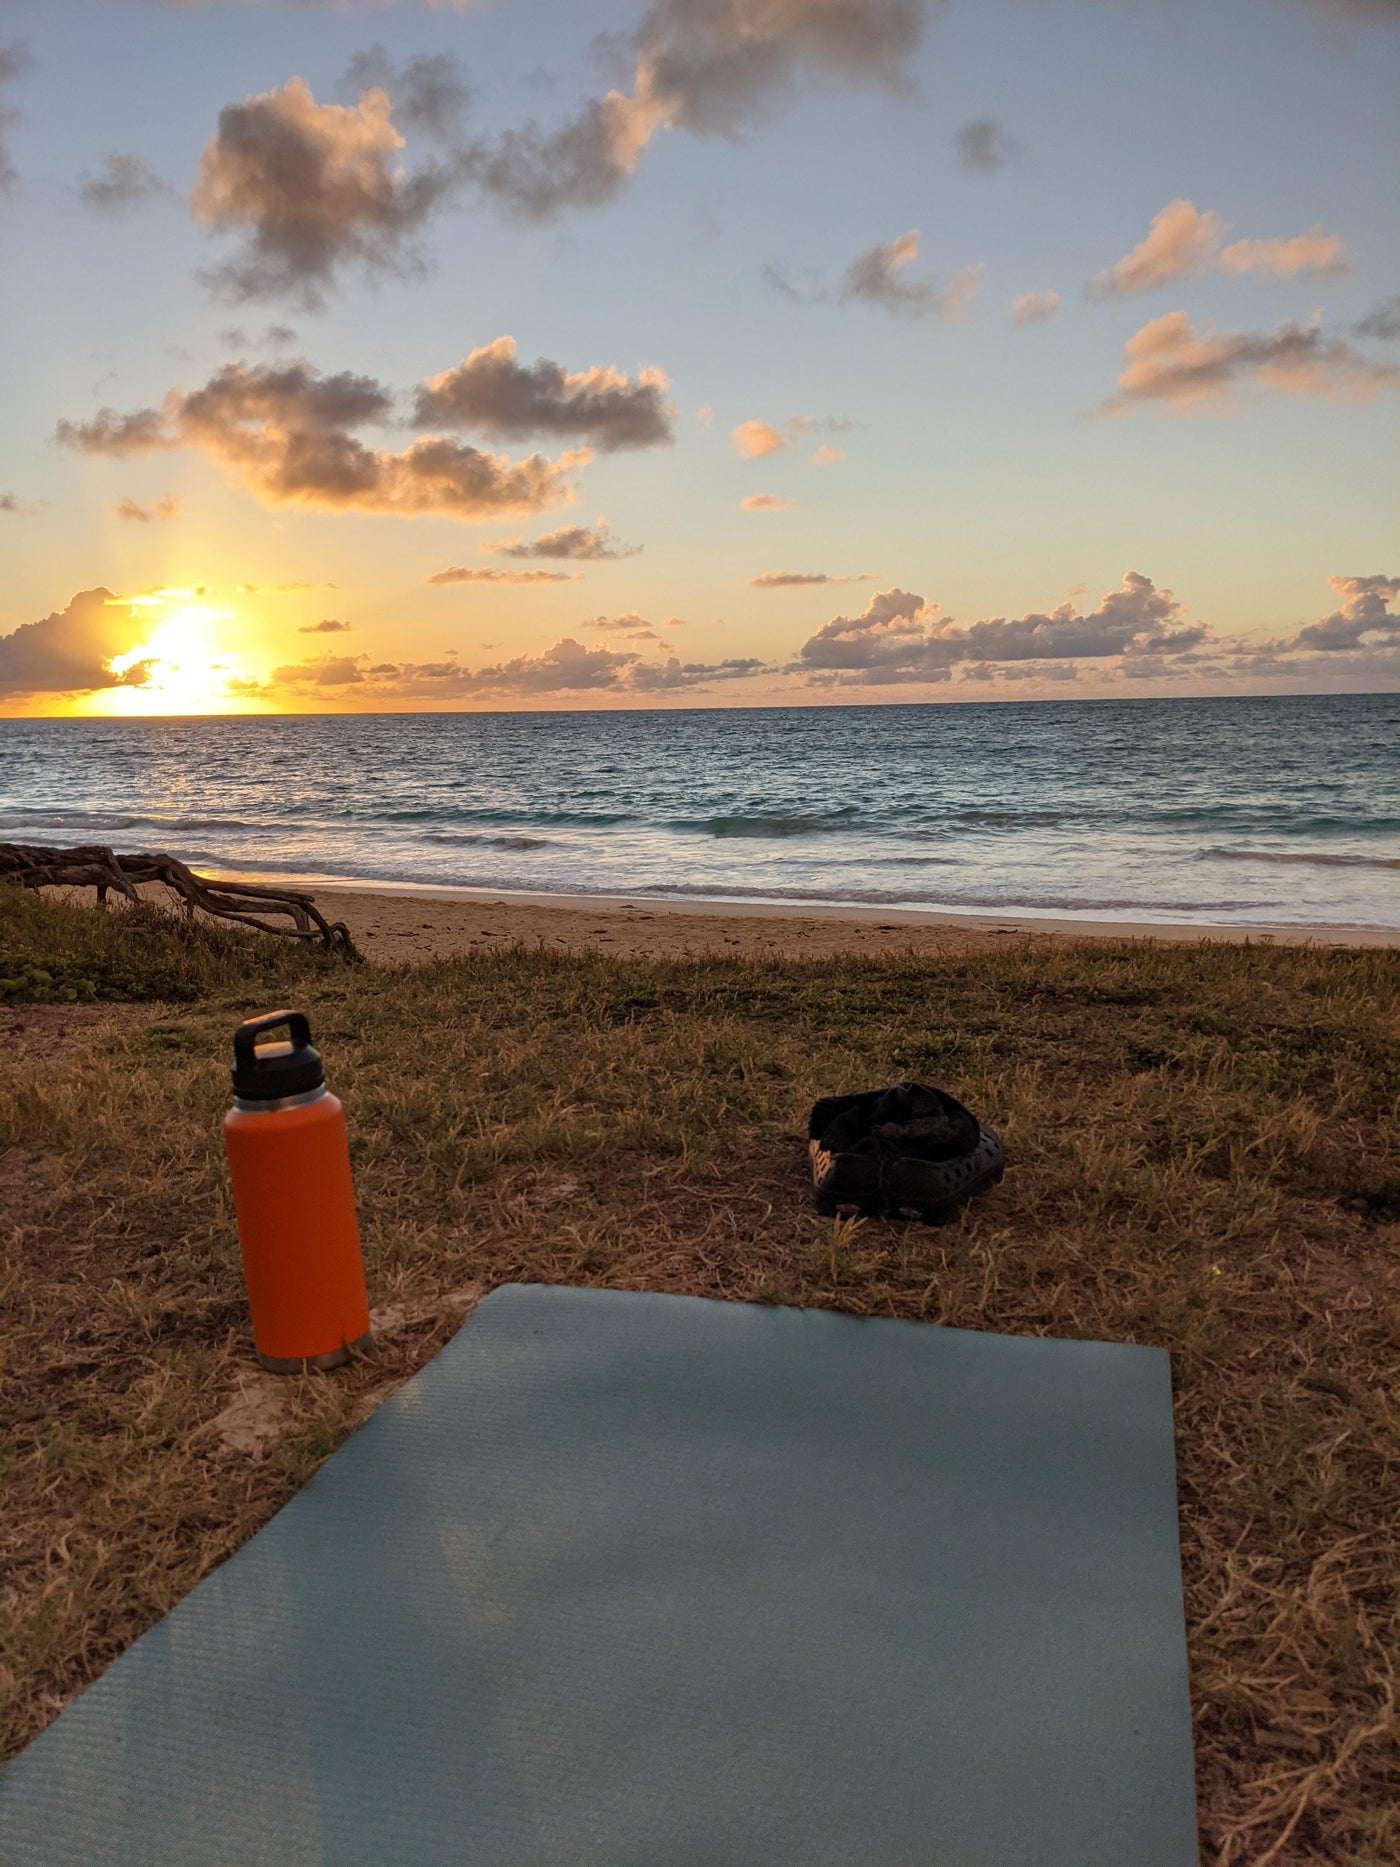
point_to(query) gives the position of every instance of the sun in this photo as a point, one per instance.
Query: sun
(181, 667)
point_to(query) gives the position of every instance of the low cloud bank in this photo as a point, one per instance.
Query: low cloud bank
(67, 652)
(466, 573)
(1137, 632)
(569, 667)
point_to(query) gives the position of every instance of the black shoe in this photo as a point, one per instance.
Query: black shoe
(907, 1150)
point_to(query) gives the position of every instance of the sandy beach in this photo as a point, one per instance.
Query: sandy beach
(402, 924)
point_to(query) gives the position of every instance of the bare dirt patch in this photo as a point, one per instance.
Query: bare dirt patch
(48, 1035)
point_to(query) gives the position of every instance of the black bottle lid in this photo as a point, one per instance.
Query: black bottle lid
(268, 1072)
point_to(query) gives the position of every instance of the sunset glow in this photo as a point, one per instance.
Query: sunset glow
(183, 666)
(814, 357)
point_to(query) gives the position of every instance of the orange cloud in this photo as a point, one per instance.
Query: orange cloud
(311, 187)
(1179, 367)
(900, 638)
(766, 502)
(130, 510)
(1313, 251)
(287, 432)
(799, 579)
(569, 667)
(1034, 307)
(70, 650)
(754, 440)
(703, 68)
(1183, 243)
(460, 573)
(588, 543)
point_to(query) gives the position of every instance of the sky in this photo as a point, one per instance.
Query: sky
(380, 355)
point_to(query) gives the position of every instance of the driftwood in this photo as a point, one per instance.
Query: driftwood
(33, 866)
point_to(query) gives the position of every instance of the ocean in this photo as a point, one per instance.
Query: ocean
(1231, 811)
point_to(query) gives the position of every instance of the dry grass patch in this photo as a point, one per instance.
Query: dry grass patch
(1202, 1154)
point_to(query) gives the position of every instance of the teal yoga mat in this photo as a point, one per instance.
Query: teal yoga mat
(637, 1580)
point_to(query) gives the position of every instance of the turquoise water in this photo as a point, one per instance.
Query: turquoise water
(1230, 811)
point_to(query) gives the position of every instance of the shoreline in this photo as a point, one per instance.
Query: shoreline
(402, 921)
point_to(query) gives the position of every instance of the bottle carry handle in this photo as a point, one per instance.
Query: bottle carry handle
(245, 1038)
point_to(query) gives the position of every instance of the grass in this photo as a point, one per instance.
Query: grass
(1203, 1154)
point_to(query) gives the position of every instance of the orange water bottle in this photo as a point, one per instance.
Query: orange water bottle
(295, 1200)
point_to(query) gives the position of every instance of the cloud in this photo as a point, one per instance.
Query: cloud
(427, 93)
(1178, 367)
(900, 638)
(874, 276)
(118, 436)
(167, 508)
(125, 180)
(1183, 243)
(810, 294)
(461, 573)
(15, 60)
(628, 624)
(569, 667)
(69, 651)
(799, 579)
(827, 455)
(753, 440)
(672, 675)
(1179, 244)
(494, 391)
(1315, 251)
(274, 337)
(286, 432)
(766, 502)
(590, 544)
(703, 66)
(1034, 307)
(329, 627)
(17, 507)
(1364, 611)
(984, 147)
(312, 188)
(327, 671)
(1382, 320)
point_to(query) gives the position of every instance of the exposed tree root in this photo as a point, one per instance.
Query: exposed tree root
(247, 903)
